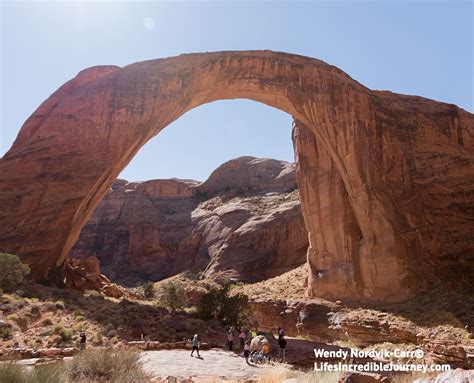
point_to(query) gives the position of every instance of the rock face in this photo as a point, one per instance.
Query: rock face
(245, 222)
(400, 167)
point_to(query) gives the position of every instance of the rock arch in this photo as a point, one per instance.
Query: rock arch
(382, 176)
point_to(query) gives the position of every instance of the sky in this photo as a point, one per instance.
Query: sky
(412, 47)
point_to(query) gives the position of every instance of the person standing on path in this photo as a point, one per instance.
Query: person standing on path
(242, 337)
(281, 343)
(230, 339)
(196, 344)
(83, 341)
(253, 333)
(247, 351)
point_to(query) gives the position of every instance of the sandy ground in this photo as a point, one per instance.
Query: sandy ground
(213, 363)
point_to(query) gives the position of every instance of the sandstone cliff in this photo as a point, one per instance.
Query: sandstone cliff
(404, 165)
(245, 222)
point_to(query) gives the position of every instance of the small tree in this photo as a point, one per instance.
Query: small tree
(173, 296)
(12, 271)
(149, 289)
(218, 303)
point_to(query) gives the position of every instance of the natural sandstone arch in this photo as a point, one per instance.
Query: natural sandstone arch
(396, 171)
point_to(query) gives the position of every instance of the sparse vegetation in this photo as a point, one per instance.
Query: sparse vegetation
(148, 290)
(12, 271)
(13, 373)
(173, 296)
(106, 365)
(5, 330)
(120, 366)
(218, 304)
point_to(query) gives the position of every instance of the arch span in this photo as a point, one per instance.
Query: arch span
(370, 164)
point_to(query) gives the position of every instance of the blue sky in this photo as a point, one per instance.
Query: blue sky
(422, 48)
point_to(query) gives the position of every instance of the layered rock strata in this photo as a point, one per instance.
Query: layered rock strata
(244, 222)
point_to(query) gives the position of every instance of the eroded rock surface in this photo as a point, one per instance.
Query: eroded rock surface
(401, 167)
(245, 222)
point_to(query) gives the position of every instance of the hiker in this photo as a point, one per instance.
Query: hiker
(247, 351)
(82, 342)
(281, 343)
(253, 333)
(196, 344)
(299, 324)
(242, 337)
(230, 339)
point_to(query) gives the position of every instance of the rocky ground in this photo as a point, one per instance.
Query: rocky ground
(213, 364)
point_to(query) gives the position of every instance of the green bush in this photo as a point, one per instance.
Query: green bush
(173, 296)
(218, 304)
(64, 333)
(12, 271)
(148, 289)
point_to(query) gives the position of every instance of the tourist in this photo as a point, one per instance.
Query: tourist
(253, 333)
(83, 341)
(299, 325)
(281, 343)
(247, 351)
(196, 345)
(242, 337)
(230, 339)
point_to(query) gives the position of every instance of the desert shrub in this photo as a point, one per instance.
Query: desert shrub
(106, 365)
(16, 373)
(50, 373)
(36, 308)
(109, 330)
(47, 321)
(93, 294)
(6, 330)
(13, 373)
(12, 271)
(77, 313)
(64, 333)
(173, 296)
(148, 289)
(218, 304)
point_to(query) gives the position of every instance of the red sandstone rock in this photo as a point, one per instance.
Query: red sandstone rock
(84, 274)
(250, 227)
(400, 167)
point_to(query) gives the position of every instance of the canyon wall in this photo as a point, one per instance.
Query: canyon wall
(244, 222)
(405, 162)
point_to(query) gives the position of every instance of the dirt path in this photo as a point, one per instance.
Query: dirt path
(214, 363)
